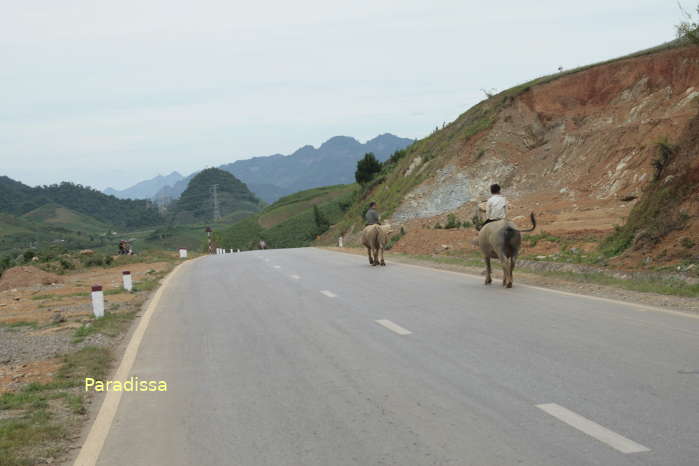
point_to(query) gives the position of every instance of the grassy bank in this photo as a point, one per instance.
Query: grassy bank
(474, 264)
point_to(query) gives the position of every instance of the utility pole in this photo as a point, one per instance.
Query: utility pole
(208, 237)
(217, 209)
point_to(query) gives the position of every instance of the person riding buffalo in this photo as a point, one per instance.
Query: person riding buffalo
(495, 206)
(372, 216)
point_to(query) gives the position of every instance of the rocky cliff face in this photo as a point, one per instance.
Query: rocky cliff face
(579, 150)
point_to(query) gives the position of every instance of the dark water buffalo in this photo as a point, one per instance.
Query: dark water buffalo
(502, 240)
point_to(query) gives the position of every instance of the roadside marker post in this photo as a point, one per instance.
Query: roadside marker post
(183, 253)
(339, 241)
(97, 301)
(126, 278)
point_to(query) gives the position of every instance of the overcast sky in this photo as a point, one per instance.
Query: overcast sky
(108, 93)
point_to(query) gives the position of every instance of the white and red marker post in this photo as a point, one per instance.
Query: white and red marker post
(183, 253)
(97, 301)
(126, 278)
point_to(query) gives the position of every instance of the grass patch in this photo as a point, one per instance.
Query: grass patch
(22, 323)
(17, 435)
(112, 324)
(543, 236)
(671, 287)
(33, 428)
(665, 287)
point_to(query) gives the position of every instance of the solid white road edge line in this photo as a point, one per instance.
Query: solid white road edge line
(329, 294)
(591, 428)
(393, 327)
(90, 451)
(634, 306)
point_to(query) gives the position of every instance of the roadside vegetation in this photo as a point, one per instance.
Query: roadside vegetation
(43, 406)
(37, 422)
(293, 221)
(655, 214)
(668, 286)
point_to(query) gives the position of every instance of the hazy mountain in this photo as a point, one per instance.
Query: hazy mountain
(145, 189)
(334, 162)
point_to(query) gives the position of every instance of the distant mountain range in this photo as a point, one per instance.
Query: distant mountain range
(145, 189)
(271, 177)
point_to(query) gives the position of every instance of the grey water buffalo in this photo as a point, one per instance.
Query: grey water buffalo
(374, 238)
(502, 240)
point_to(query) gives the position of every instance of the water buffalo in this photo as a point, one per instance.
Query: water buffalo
(374, 238)
(501, 240)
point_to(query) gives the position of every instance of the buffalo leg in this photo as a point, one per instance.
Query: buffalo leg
(488, 271)
(511, 271)
(371, 260)
(382, 261)
(505, 261)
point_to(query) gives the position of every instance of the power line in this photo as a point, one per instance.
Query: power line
(217, 209)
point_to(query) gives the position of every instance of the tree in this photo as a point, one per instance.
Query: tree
(689, 28)
(322, 223)
(367, 168)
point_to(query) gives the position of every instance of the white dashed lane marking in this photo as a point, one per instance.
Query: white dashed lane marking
(277, 266)
(591, 428)
(393, 327)
(295, 277)
(329, 294)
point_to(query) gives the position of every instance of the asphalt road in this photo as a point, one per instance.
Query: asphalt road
(309, 357)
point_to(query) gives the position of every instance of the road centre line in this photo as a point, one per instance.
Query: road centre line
(295, 277)
(591, 428)
(329, 294)
(393, 327)
(277, 266)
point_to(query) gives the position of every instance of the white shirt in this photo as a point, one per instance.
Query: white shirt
(496, 207)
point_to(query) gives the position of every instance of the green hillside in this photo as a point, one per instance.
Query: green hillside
(18, 199)
(196, 204)
(18, 233)
(59, 216)
(293, 221)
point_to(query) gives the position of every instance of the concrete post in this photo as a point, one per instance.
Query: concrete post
(126, 278)
(97, 301)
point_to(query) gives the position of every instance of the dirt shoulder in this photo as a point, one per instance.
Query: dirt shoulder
(584, 283)
(49, 343)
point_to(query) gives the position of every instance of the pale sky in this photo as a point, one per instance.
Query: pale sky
(108, 93)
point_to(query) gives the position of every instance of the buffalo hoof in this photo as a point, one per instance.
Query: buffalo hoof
(383, 263)
(488, 281)
(509, 285)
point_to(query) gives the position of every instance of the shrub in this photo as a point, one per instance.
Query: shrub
(452, 222)
(66, 264)
(687, 243)
(395, 238)
(689, 28)
(367, 168)
(665, 152)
